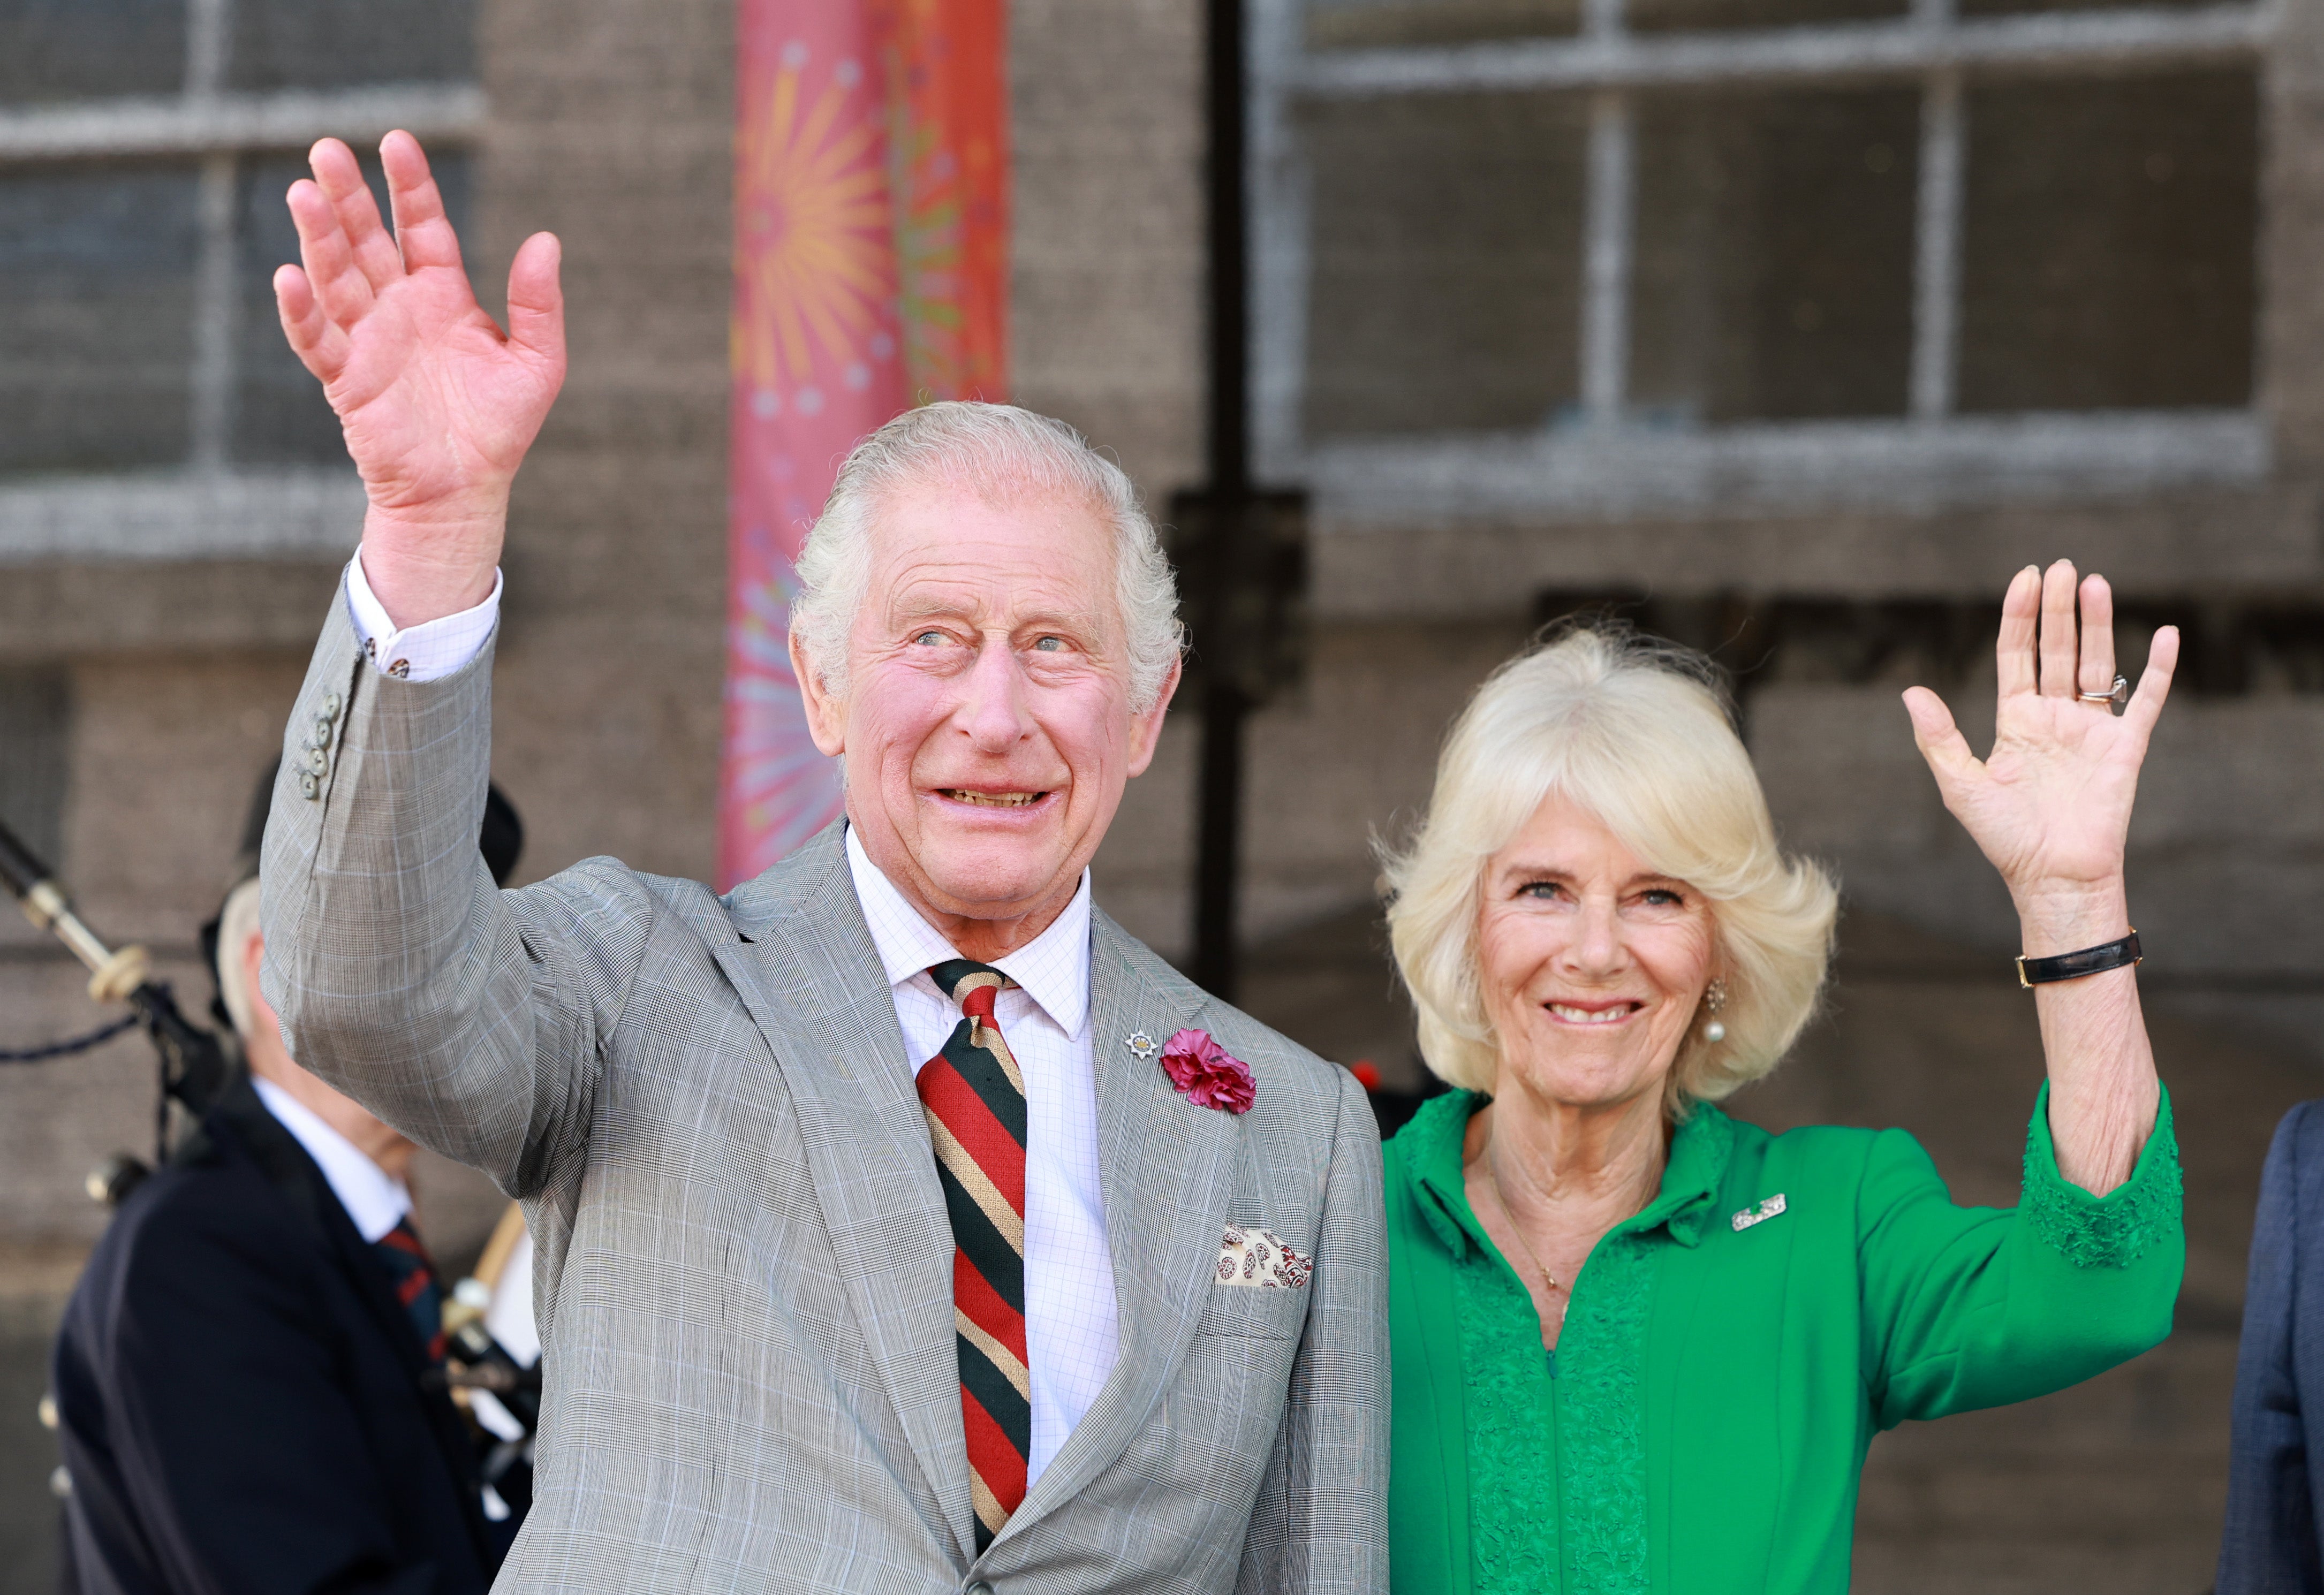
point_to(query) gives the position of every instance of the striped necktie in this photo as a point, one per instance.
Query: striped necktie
(975, 1102)
(417, 1286)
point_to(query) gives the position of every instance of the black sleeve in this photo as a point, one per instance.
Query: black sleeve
(238, 1444)
(2270, 1545)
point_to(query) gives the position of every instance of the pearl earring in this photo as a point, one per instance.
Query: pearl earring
(1714, 998)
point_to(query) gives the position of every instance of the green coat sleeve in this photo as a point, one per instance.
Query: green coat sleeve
(1967, 1307)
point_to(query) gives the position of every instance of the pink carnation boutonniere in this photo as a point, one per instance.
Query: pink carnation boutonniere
(1206, 1074)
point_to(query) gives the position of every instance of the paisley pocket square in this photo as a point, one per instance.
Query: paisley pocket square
(1256, 1257)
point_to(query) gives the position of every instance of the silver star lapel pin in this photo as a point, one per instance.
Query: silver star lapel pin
(1141, 1046)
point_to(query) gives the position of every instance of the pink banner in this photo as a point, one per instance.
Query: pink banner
(870, 274)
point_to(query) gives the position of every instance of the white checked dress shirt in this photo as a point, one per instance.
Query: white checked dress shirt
(1071, 1333)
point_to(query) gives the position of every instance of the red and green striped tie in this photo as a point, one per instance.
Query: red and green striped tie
(417, 1288)
(975, 1102)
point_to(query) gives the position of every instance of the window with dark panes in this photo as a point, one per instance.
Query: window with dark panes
(2107, 243)
(340, 43)
(1772, 269)
(1678, 218)
(140, 224)
(97, 301)
(1448, 262)
(1700, 16)
(65, 49)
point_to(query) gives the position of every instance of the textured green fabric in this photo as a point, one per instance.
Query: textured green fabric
(1703, 1423)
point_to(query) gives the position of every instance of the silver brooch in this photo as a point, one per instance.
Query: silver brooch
(1141, 1046)
(1759, 1214)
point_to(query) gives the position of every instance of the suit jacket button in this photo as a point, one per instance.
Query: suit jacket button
(309, 787)
(318, 762)
(331, 705)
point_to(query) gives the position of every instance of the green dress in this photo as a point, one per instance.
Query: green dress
(1729, 1352)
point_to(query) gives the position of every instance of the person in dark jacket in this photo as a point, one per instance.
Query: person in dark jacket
(249, 1376)
(2270, 1546)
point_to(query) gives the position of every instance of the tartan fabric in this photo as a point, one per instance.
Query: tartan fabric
(974, 1097)
(416, 1285)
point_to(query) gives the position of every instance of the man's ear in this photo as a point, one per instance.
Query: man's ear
(1146, 729)
(825, 720)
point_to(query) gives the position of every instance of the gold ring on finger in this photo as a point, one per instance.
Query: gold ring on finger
(2115, 701)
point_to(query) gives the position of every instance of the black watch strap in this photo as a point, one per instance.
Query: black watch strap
(2073, 966)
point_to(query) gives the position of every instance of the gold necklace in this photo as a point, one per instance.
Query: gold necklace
(1515, 1229)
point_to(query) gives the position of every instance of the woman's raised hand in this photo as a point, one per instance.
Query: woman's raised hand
(2051, 804)
(437, 403)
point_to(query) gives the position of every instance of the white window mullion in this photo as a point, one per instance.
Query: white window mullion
(209, 32)
(216, 313)
(1281, 225)
(1605, 274)
(1607, 233)
(1937, 249)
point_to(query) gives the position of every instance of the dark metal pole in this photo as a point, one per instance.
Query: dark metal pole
(1229, 310)
(1225, 702)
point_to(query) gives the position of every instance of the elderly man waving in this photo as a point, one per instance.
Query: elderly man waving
(904, 1225)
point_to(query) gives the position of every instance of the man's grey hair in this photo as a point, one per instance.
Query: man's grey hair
(237, 922)
(1001, 451)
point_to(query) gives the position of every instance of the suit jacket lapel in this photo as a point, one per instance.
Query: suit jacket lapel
(816, 989)
(301, 1183)
(1164, 1166)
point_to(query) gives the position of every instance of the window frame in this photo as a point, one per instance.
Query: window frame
(206, 506)
(1610, 465)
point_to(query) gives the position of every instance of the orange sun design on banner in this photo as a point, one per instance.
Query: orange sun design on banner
(814, 246)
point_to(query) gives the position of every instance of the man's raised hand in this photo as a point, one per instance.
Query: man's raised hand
(437, 403)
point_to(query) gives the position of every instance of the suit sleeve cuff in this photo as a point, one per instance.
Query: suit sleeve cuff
(425, 652)
(2110, 1231)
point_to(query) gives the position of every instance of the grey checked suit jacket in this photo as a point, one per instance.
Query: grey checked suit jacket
(744, 1268)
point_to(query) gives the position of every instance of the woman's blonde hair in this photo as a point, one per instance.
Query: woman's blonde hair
(1636, 730)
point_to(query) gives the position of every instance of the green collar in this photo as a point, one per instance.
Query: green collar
(1432, 1145)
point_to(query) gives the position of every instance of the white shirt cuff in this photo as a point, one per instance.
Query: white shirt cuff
(425, 652)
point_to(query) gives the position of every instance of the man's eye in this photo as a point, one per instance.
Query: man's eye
(1050, 644)
(930, 639)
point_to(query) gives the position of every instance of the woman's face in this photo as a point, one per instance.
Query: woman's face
(1591, 965)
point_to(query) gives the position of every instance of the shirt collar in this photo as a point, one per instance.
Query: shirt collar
(375, 1201)
(1699, 1152)
(1053, 967)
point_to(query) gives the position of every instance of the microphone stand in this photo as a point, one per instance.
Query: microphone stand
(192, 1063)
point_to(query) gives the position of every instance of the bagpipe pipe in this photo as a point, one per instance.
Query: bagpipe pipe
(194, 1066)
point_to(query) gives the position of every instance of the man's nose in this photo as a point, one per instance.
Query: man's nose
(994, 710)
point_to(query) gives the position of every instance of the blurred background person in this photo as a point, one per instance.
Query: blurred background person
(1637, 1344)
(2276, 1477)
(250, 1380)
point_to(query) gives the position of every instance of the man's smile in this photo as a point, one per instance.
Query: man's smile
(990, 800)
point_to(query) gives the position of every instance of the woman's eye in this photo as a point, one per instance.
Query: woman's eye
(1543, 890)
(1663, 897)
